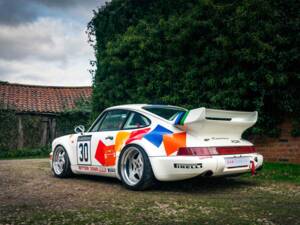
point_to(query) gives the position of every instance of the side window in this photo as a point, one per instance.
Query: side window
(136, 120)
(97, 125)
(113, 120)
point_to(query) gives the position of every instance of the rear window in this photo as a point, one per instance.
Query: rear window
(168, 113)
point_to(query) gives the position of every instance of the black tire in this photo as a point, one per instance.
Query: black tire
(147, 179)
(66, 168)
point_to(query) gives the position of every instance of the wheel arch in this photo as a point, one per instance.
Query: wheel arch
(63, 142)
(123, 149)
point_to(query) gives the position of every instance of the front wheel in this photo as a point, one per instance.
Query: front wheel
(61, 166)
(135, 169)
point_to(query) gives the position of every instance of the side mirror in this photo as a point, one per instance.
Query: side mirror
(79, 129)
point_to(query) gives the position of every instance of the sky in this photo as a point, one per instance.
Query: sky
(43, 42)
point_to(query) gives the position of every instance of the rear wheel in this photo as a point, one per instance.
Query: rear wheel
(61, 166)
(135, 169)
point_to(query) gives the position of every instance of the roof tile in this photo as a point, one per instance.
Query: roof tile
(41, 99)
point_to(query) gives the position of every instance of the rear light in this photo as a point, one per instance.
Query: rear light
(197, 151)
(235, 150)
(209, 151)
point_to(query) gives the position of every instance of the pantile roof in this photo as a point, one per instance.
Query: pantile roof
(41, 99)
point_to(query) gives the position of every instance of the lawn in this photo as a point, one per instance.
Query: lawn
(29, 194)
(280, 172)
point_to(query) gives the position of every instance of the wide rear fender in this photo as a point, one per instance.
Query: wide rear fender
(68, 142)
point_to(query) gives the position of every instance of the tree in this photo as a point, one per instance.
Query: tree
(222, 54)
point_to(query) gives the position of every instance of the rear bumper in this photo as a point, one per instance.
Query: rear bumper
(183, 167)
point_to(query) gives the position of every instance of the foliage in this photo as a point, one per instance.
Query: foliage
(25, 153)
(223, 54)
(33, 126)
(69, 119)
(295, 127)
(9, 129)
(280, 172)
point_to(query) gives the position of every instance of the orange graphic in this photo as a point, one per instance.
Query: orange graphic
(174, 141)
(122, 136)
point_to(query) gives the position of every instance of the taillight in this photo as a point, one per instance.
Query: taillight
(235, 150)
(197, 151)
(209, 151)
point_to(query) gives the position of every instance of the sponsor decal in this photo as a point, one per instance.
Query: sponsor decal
(85, 138)
(93, 169)
(187, 165)
(111, 170)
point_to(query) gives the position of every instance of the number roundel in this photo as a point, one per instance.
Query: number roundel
(84, 150)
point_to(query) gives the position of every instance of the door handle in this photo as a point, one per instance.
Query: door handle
(109, 137)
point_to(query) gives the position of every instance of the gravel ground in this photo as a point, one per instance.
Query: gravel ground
(29, 194)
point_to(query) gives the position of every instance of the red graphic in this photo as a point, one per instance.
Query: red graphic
(106, 155)
(136, 135)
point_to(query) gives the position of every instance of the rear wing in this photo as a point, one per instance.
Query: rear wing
(208, 123)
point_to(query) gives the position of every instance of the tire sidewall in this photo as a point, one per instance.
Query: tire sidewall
(147, 177)
(66, 169)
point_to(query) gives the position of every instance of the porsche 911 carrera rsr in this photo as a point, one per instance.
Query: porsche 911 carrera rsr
(141, 143)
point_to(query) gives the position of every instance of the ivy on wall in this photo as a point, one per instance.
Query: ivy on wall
(9, 130)
(33, 127)
(69, 119)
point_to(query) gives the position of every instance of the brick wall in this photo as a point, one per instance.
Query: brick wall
(282, 149)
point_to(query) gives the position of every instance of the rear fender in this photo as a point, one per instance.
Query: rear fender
(68, 142)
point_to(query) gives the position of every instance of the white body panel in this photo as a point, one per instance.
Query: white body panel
(161, 139)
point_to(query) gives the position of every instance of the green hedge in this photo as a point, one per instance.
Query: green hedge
(25, 153)
(239, 55)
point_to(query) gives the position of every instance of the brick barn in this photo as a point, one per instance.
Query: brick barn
(37, 108)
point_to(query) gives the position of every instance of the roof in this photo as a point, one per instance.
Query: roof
(41, 99)
(140, 106)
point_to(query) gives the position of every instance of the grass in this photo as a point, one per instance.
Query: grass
(29, 194)
(280, 172)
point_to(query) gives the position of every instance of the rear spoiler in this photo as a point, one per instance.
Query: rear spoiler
(208, 123)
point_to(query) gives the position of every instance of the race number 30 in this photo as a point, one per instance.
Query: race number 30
(84, 150)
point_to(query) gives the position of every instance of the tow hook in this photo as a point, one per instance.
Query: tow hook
(253, 168)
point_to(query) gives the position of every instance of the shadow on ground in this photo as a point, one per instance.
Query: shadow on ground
(195, 185)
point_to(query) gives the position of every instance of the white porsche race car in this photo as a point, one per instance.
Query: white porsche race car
(141, 143)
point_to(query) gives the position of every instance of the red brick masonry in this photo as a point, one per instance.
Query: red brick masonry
(282, 149)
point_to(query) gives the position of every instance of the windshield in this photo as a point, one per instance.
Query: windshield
(166, 112)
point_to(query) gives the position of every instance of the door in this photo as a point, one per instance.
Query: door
(104, 137)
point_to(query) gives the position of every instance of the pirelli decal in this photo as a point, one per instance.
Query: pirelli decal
(187, 166)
